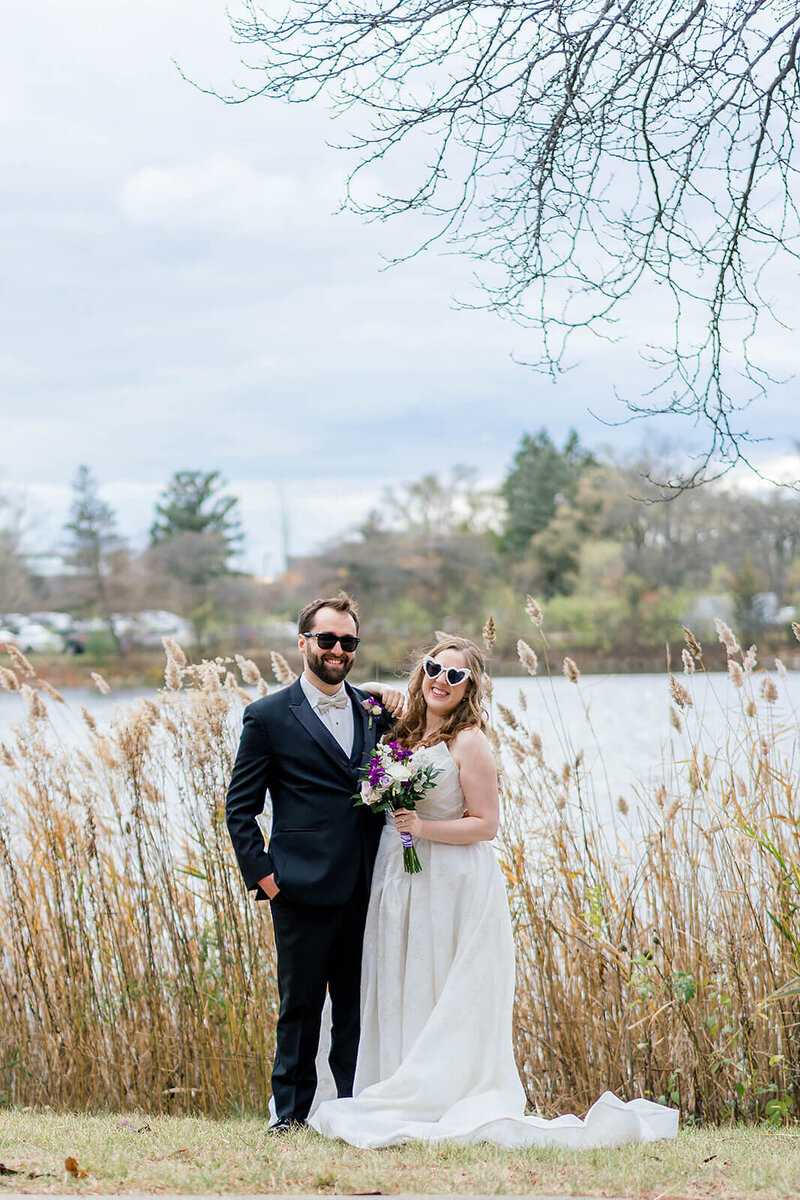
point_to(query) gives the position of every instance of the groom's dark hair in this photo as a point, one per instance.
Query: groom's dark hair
(340, 603)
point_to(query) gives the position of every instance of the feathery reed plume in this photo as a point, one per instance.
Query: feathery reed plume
(248, 670)
(6, 757)
(768, 689)
(281, 669)
(569, 669)
(527, 656)
(735, 673)
(780, 668)
(263, 687)
(688, 662)
(34, 703)
(692, 643)
(537, 748)
(489, 634)
(508, 716)
(796, 629)
(674, 720)
(679, 693)
(174, 651)
(20, 661)
(750, 708)
(100, 683)
(534, 611)
(51, 691)
(175, 665)
(750, 660)
(208, 675)
(88, 720)
(173, 675)
(622, 806)
(8, 680)
(726, 636)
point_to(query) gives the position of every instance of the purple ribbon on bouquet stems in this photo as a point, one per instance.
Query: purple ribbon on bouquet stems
(411, 862)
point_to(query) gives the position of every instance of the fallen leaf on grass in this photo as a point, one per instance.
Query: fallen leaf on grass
(71, 1167)
(4, 1170)
(123, 1124)
(710, 1158)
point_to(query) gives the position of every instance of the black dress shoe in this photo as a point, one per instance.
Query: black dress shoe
(286, 1125)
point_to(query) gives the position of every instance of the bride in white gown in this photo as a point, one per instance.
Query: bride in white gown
(435, 1058)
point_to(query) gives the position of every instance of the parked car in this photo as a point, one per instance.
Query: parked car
(34, 638)
(147, 628)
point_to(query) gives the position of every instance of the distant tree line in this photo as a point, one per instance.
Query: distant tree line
(188, 566)
(618, 560)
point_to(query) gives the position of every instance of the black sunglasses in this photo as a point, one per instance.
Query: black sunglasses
(326, 641)
(453, 675)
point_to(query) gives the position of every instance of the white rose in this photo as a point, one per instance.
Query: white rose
(398, 772)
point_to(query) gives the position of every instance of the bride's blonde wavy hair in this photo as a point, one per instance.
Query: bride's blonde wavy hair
(410, 729)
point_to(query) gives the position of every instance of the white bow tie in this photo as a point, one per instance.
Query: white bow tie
(340, 700)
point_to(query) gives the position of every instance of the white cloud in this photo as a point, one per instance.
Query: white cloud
(222, 193)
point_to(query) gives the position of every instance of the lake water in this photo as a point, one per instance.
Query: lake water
(620, 722)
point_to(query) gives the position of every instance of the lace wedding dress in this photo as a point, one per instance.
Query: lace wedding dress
(435, 1059)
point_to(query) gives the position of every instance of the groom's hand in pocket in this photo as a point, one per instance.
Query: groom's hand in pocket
(268, 885)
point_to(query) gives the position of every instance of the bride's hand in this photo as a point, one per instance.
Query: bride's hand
(392, 699)
(407, 821)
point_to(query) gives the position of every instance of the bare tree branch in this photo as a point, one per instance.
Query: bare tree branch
(586, 152)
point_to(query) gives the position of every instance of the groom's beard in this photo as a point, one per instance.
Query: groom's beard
(328, 672)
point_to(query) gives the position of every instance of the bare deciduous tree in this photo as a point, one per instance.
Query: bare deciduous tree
(592, 155)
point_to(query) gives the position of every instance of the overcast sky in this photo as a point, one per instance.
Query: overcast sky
(177, 292)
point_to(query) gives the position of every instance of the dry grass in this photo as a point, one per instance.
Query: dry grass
(136, 973)
(195, 1155)
(135, 969)
(646, 955)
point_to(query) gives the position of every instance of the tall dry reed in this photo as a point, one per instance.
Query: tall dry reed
(137, 972)
(135, 969)
(652, 940)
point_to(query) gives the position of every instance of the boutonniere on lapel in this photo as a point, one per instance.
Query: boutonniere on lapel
(373, 708)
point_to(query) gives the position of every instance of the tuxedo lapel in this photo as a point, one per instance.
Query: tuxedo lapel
(302, 711)
(368, 735)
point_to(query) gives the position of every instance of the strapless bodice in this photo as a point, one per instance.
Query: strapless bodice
(445, 800)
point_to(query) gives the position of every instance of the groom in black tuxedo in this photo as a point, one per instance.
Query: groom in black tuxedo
(305, 745)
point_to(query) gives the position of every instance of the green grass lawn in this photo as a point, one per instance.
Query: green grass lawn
(180, 1154)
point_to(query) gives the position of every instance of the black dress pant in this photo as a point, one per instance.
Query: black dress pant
(318, 950)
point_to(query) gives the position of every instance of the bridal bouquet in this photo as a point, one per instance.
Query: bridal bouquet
(389, 781)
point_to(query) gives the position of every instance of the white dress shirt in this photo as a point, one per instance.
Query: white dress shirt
(339, 721)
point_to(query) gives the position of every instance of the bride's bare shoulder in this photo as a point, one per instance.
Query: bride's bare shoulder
(470, 745)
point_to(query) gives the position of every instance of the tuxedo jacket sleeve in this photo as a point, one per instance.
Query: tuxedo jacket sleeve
(245, 801)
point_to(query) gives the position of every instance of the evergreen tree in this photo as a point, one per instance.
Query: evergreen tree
(196, 533)
(93, 551)
(542, 478)
(194, 502)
